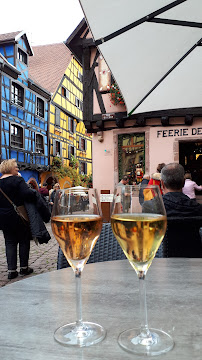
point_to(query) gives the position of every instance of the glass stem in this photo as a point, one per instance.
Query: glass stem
(144, 330)
(78, 298)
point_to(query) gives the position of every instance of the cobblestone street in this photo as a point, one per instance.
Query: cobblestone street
(42, 258)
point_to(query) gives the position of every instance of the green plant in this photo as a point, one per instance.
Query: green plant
(87, 180)
(62, 171)
(74, 162)
(115, 95)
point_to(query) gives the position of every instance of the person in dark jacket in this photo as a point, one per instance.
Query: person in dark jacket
(144, 182)
(14, 230)
(176, 203)
(52, 196)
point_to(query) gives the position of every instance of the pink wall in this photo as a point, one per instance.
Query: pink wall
(161, 145)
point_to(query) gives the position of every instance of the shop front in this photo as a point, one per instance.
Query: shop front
(135, 151)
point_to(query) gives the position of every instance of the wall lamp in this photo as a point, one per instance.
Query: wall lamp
(165, 120)
(188, 119)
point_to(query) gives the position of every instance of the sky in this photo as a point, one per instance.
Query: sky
(44, 21)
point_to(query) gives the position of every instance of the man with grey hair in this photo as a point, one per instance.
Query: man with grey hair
(177, 203)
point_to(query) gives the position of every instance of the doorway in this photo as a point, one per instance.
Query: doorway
(190, 157)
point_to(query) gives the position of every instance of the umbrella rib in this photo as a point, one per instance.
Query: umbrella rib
(168, 72)
(177, 22)
(138, 22)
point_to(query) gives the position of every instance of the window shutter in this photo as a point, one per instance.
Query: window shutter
(74, 124)
(61, 149)
(57, 117)
(79, 143)
(85, 145)
(69, 152)
(54, 147)
(69, 127)
(85, 168)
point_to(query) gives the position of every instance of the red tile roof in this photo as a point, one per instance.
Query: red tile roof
(9, 36)
(48, 64)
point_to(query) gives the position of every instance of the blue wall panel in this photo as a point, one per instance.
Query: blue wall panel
(13, 154)
(7, 94)
(21, 114)
(21, 157)
(3, 151)
(9, 50)
(13, 111)
(27, 174)
(4, 105)
(6, 81)
(6, 125)
(11, 60)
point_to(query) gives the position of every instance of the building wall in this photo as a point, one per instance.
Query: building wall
(70, 112)
(161, 145)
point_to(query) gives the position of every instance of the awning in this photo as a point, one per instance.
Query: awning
(153, 49)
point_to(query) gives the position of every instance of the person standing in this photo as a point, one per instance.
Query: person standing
(144, 182)
(156, 177)
(53, 193)
(190, 187)
(14, 230)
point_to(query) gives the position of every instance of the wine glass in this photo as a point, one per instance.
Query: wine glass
(76, 223)
(139, 229)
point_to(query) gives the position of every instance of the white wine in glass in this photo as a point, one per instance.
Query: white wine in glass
(76, 223)
(140, 229)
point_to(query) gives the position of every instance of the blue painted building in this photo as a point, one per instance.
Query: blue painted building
(24, 109)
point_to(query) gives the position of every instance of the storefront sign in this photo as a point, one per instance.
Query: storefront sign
(179, 132)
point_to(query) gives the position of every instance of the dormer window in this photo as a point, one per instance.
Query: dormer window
(65, 92)
(80, 76)
(17, 94)
(22, 56)
(40, 107)
(78, 103)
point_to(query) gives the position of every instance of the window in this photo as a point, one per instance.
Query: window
(17, 94)
(71, 125)
(22, 56)
(16, 136)
(39, 144)
(80, 76)
(71, 151)
(57, 117)
(78, 103)
(65, 92)
(57, 148)
(82, 144)
(40, 107)
(83, 168)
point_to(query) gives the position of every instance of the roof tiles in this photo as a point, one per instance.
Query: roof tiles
(49, 64)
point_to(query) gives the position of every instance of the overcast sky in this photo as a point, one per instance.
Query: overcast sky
(44, 21)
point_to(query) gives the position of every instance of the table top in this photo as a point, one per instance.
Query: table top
(32, 309)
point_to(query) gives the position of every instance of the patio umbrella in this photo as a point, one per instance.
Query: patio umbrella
(153, 49)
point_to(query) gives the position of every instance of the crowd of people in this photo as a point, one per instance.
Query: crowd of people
(176, 187)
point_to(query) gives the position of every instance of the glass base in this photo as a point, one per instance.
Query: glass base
(158, 343)
(80, 336)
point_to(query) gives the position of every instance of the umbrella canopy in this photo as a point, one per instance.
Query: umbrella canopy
(153, 49)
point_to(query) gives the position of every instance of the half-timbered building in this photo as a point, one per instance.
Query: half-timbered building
(122, 144)
(57, 70)
(24, 109)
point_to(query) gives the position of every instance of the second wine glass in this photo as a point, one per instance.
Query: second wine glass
(139, 231)
(76, 224)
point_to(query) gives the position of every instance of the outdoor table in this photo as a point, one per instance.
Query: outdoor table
(32, 309)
